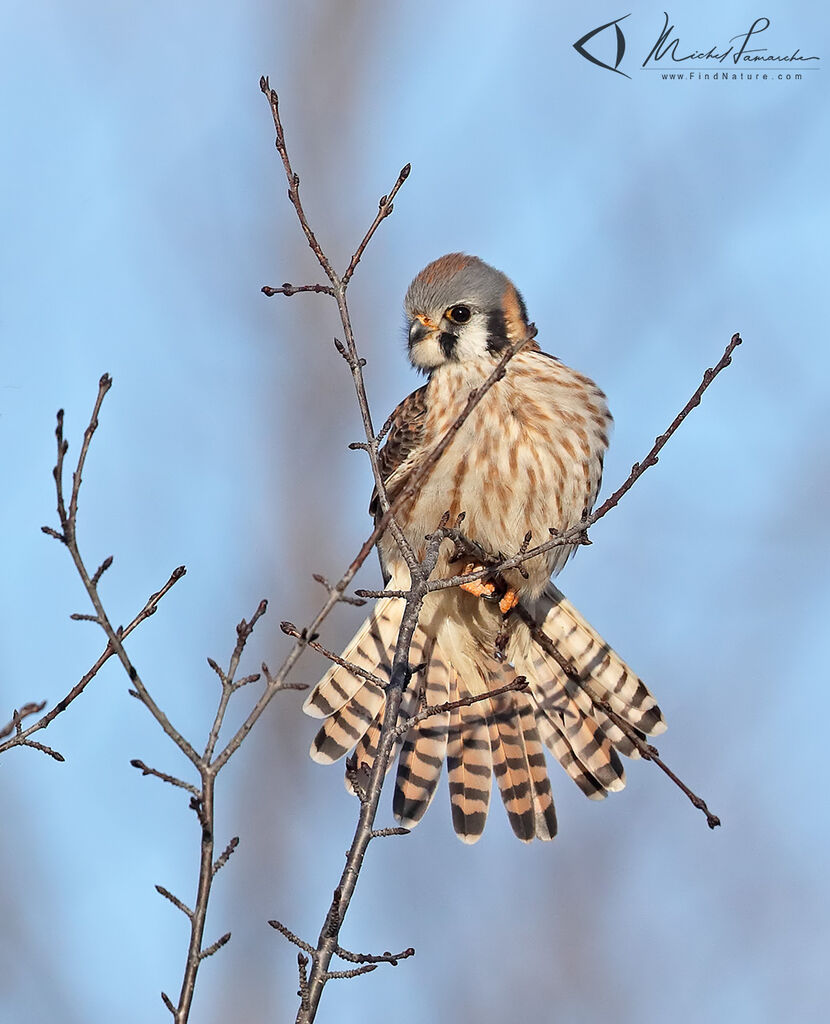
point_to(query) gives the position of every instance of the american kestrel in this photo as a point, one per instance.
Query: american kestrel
(528, 458)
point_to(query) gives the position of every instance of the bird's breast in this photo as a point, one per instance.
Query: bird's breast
(528, 458)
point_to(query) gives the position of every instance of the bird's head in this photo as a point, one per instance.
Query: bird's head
(460, 309)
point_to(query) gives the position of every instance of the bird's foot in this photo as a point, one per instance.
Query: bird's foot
(478, 588)
(497, 590)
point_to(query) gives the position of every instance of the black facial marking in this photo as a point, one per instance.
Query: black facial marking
(496, 332)
(448, 342)
(522, 306)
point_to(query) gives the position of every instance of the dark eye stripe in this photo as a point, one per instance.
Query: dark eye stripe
(448, 342)
(496, 332)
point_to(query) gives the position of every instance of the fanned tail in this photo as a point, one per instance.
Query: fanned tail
(425, 745)
(584, 739)
(601, 671)
(501, 735)
(349, 702)
(371, 649)
(510, 762)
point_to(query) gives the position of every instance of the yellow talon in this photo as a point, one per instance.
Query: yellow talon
(508, 601)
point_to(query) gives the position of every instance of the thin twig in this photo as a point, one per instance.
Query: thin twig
(339, 285)
(384, 209)
(649, 752)
(373, 958)
(67, 537)
(19, 714)
(311, 987)
(290, 289)
(291, 630)
(345, 598)
(225, 856)
(215, 947)
(519, 683)
(177, 903)
(202, 797)
(578, 534)
(292, 938)
(354, 973)
(146, 770)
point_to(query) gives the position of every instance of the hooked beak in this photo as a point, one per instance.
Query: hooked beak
(420, 328)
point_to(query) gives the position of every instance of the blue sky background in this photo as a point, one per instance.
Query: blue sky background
(645, 221)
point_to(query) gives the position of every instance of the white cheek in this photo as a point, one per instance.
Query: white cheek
(427, 353)
(472, 340)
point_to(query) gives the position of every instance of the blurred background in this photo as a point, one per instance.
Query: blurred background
(645, 221)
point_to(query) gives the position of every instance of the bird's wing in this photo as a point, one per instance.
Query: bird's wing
(405, 436)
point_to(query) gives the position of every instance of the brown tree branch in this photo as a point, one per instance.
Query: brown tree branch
(419, 572)
(67, 536)
(647, 750)
(206, 765)
(339, 284)
(519, 683)
(311, 986)
(494, 564)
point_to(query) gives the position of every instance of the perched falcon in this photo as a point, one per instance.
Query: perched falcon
(528, 458)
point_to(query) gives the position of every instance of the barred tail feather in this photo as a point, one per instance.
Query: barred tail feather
(470, 769)
(424, 747)
(602, 673)
(569, 710)
(510, 762)
(346, 727)
(370, 649)
(543, 809)
(555, 740)
(367, 749)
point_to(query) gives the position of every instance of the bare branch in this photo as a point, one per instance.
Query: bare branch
(294, 180)
(648, 751)
(226, 854)
(102, 568)
(519, 683)
(43, 749)
(104, 384)
(302, 963)
(370, 958)
(291, 630)
(356, 601)
(339, 286)
(201, 798)
(638, 469)
(177, 903)
(384, 209)
(290, 289)
(578, 534)
(146, 770)
(215, 947)
(19, 714)
(68, 538)
(356, 972)
(294, 939)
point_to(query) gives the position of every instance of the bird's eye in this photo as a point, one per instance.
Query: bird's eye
(459, 314)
